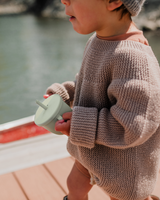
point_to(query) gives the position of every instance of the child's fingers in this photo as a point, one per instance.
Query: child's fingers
(60, 121)
(63, 126)
(67, 115)
(47, 95)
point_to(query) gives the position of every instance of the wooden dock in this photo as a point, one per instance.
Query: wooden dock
(46, 182)
(36, 168)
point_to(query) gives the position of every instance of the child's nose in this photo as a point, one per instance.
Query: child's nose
(65, 2)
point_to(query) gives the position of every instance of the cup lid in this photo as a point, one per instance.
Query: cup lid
(48, 110)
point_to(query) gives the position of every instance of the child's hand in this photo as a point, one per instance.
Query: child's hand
(64, 125)
(46, 96)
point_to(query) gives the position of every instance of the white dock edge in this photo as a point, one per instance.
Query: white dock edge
(32, 151)
(16, 123)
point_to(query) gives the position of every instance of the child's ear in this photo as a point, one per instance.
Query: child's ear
(113, 4)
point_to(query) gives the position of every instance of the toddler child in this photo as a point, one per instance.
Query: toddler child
(114, 129)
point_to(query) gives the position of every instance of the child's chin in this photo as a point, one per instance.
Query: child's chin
(83, 32)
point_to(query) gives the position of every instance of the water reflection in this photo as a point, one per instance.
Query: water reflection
(34, 53)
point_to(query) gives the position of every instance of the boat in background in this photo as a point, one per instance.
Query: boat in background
(20, 129)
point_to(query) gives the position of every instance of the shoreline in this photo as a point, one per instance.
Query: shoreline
(12, 10)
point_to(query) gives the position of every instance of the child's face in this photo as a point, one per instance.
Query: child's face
(86, 16)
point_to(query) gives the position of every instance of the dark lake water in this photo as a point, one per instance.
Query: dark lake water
(34, 53)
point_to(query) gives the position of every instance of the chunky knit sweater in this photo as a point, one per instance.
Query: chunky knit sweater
(115, 126)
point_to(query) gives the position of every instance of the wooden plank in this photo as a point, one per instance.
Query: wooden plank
(38, 184)
(60, 170)
(157, 188)
(10, 188)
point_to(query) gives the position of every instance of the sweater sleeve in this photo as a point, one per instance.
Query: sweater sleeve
(132, 119)
(65, 90)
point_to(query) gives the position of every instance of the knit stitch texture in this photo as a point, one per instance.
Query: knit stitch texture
(133, 6)
(115, 130)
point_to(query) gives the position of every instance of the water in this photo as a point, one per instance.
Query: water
(34, 53)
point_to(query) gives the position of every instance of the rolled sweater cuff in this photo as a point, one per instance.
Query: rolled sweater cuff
(57, 88)
(83, 126)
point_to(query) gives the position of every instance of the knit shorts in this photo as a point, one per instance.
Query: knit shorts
(82, 169)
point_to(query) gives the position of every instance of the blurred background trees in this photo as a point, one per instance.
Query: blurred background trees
(37, 7)
(149, 18)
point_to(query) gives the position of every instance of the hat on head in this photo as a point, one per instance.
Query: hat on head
(133, 6)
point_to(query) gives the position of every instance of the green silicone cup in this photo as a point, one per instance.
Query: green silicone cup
(50, 111)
